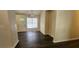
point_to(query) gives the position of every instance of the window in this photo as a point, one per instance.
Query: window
(32, 23)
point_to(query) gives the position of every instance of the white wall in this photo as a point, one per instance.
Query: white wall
(8, 35)
(63, 25)
(42, 22)
(12, 21)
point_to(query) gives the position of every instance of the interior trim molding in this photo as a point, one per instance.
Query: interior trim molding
(15, 44)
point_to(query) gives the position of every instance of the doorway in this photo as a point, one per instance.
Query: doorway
(25, 23)
(32, 23)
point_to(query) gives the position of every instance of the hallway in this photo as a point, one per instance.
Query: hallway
(33, 28)
(33, 40)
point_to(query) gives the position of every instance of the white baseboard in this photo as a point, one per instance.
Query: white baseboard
(15, 44)
(65, 40)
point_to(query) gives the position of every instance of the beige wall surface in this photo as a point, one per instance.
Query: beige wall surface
(21, 24)
(50, 23)
(8, 35)
(75, 25)
(13, 27)
(4, 30)
(63, 25)
(42, 22)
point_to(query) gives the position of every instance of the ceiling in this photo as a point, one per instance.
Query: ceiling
(29, 12)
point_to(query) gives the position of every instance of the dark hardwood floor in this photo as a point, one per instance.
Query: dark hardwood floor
(38, 40)
(34, 40)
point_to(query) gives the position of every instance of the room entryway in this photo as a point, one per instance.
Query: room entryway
(32, 24)
(25, 23)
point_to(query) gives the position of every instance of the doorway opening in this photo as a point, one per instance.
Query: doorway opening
(32, 23)
(25, 23)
